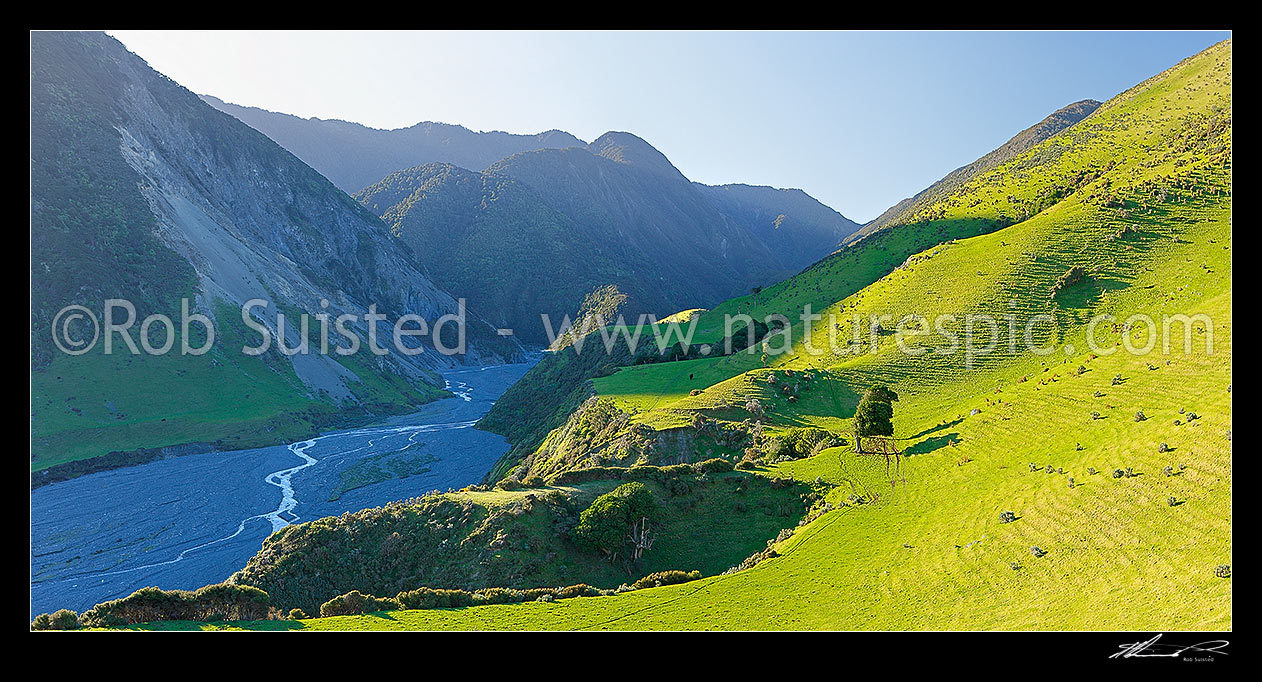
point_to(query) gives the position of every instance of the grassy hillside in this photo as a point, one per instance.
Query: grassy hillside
(521, 538)
(1116, 465)
(906, 210)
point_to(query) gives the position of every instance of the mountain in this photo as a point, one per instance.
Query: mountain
(1111, 450)
(537, 231)
(906, 210)
(141, 191)
(354, 156)
(797, 225)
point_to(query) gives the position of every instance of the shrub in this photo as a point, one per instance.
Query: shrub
(1222, 571)
(429, 598)
(1139, 416)
(1037, 551)
(713, 466)
(1074, 275)
(498, 595)
(579, 590)
(297, 614)
(1163, 448)
(223, 601)
(63, 619)
(1007, 517)
(572, 476)
(603, 526)
(661, 578)
(509, 484)
(1172, 501)
(1118, 473)
(1168, 470)
(354, 603)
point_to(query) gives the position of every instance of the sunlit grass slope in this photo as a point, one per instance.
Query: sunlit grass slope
(1138, 196)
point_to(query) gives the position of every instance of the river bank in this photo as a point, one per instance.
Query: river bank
(193, 520)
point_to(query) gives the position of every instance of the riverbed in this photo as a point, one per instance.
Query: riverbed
(190, 521)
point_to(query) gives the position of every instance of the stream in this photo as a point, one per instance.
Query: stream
(190, 521)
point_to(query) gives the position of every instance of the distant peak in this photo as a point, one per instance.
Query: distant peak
(629, 149)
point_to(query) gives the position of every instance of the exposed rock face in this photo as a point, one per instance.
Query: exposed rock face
(254, 222)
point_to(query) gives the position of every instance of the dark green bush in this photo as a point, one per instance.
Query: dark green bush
(662, 578)
(713, 466)
(429, 598)
(63, 619)
(603, 526)
(210, 603)
(354, 603)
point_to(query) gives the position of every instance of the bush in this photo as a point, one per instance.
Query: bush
(63, 619)
(662, 578)
(499, 595)
(297, 614)
(713, 466)
(1037, 551)
(603, 526)
(1073, 276)
(1222, 571)
(580, 590)
(429, 598)
(1007, 517)
(353, 604)
(210, 603)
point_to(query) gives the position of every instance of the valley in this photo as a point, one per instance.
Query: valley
(1003, 404)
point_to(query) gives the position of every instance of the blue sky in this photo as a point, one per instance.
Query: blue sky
(859, 120)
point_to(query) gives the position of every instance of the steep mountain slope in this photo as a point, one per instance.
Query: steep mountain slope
(354, 156)
(537, 231)
(143, 192)
(792, 222)
(906, 210)
(491, 239)
(1111, 448)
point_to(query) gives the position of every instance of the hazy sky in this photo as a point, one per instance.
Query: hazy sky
(858, 120)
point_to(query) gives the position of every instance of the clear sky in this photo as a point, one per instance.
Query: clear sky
(859, 120)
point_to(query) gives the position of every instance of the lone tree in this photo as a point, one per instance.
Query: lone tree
(875, 414)
(616, 519)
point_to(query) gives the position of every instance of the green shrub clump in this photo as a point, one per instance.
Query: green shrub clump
(603, 526)
(63, 619)
(354, 603)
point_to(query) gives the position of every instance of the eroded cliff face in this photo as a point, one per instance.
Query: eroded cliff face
(257, 223)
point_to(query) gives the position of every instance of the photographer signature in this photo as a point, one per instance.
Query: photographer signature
(1153, 649)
